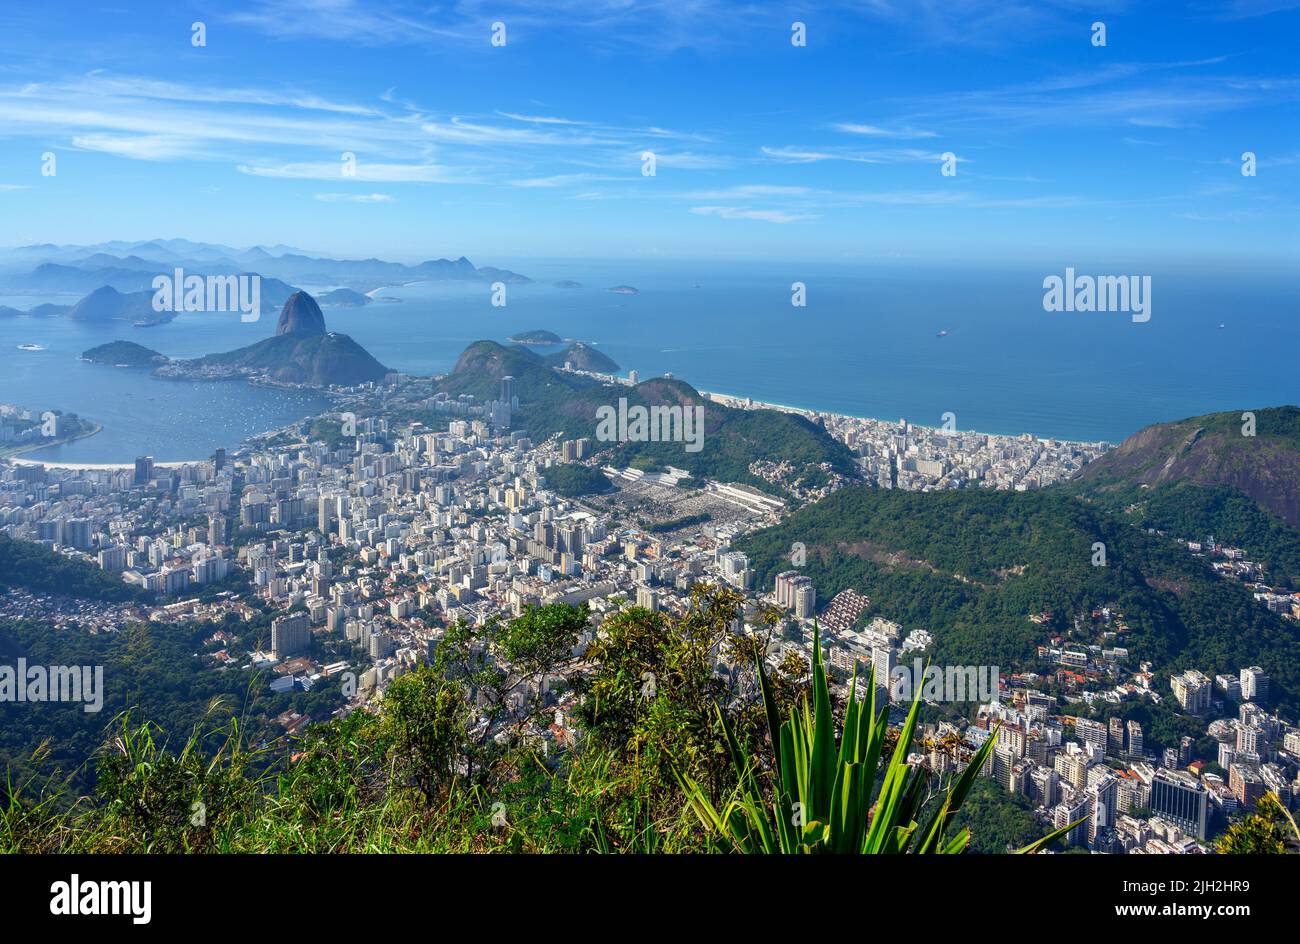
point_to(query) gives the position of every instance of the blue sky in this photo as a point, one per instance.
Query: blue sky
(764, 150)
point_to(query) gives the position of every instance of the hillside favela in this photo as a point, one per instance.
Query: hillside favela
(653, 428)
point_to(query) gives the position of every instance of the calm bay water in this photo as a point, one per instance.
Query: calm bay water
(866, 344)
(170, 420)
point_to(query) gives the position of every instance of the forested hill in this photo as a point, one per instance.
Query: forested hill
(30, 566)
(553, 401)
(1235, 476)
(1255, 453)
(971, 566)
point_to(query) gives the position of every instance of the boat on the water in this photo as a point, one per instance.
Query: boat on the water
(31, 347)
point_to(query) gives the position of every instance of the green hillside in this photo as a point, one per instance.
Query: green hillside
(971, 566)
(1195, 512)
(30, 566)
(556, 402)
(1214, 451)
(583, 357)
(124, 352)
(573, 481)
(315, 359)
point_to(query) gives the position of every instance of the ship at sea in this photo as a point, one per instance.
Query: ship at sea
(942, 334)
(31, 347)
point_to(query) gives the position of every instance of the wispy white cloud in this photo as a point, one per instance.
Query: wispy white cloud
(1173, 95)
(354, 198)
(540, 119)
(659, 25)
(746, 191)
(875, 131)
(1248, 9)
(1157, 122)
(349, 21)
(806, 155)
(746, 213)
(689, 160)
(605, 25)
(143, 147)
(363, 170)
(559, 180)
(140, 118)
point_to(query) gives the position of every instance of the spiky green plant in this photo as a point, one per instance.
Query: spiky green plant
(824, 798)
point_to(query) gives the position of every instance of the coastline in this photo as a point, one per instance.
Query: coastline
(748, 403)
(12, 454)
(725, 399)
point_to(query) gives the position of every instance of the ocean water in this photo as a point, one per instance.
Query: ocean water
(867, 343)
(170, 420)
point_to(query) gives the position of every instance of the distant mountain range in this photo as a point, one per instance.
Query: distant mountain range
(56, 279)
(39, 311)
(131, 267)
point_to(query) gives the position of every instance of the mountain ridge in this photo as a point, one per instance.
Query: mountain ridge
(554, 401)
(1215, 449)
(302, 351)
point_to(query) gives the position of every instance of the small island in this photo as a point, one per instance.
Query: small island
(568, 283)
(344, 298)
(124, 354)
(536, 337)
(623, 290)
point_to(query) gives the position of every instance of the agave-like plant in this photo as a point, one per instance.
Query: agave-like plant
(824, 798)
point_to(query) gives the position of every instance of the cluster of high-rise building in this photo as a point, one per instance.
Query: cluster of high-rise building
(1130, 797)
(162, 527)
(796, 592)
(920, 458)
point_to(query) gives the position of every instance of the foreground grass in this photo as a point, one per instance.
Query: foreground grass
(696, 762)
(330, 798)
